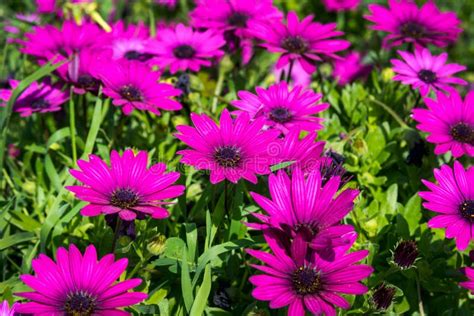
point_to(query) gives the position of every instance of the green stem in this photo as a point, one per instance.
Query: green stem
(391, 112)
(72, 126)
(116, 233)
(420, 301)
(218, 89)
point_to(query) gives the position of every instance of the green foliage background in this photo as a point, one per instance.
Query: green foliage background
(368, 122)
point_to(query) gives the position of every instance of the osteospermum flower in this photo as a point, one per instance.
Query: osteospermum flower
(5, 309)
(233, 18)
(130, 42)
(78, 284)
(449, 121)
(83, 71)
(37, 98)
(283, 107)
(426, 72)
(301, 205)
(406, 23)
(304, 281)
(304, 41)
(183, 48)
(350, 68)
(341, 5)
(50, 43)
(303, 153)
(469, 272)
(126, 188)
(297, 77)
(235, 149)
(453, 199)
(133, 85)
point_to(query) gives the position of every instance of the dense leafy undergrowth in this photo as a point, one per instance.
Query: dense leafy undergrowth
(195, 261)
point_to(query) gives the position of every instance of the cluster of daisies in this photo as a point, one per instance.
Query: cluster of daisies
(310, 265)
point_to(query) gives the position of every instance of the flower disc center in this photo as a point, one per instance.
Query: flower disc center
(295, 44)
(131, 93)
(184, 51)
(427, 76)
(280, 115)
(467, 209)
(463, 133)
(124, 198)
(80, 304)
(306, 280)
(228, 156)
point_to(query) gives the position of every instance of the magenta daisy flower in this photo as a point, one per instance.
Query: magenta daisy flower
(182, 48)
(305, 40)
(406, 23)
(78, 284)
(282, 107)
(304, 153)
(426, 72)
(233, 19)
(301, 205)
(350, 68)
(132, 85)
(83, 71)
(297, 77)
(304, 281)
(50, 43)
(449, 122)
(130, 42)
(341, 5)
(127, 187)
(236, 149)
(469, 272)
(453, 199)
(5, 309)
(37, 98)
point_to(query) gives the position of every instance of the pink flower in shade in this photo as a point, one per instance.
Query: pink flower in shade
(48, 42)
(449, 122)
(130, 42)
(282, 107)
(132, 85)
(78, 284)
(305, 41)
(5, 309)
(37, 98)
(171, 4)
(13, 151)
(127, 187)
(45, 6)
(406, 23)
(341, 5)
(426, 72)
(453, 199)
(305, 153)
(350, 68)
(304, 281)
(298, 76)
(236, 149)
(469, 272)
(233, 18)
(303, 206)
(83, 71)
(182, 48)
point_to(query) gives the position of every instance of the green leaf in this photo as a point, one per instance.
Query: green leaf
(15, 239)
(202, 295)
(186, 287)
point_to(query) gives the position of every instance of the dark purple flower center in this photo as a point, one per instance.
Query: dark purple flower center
(238, 19)
(467, 209)
(412, 29)
(307, 231)
(405, 254)
(135, 55)
(463, 133)
(39, 104)
(124, 198)
(131, 93)
(80, 304)
(280, 115)
(228, 156)
(87, 82)
(295, 45)
(427, 76)
(306, 281)
(383, 296)
(184, 51)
